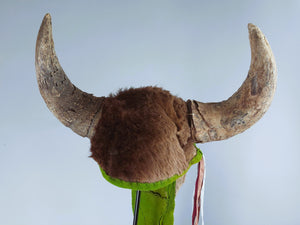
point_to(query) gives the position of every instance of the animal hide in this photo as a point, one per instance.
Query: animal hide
(143, 136)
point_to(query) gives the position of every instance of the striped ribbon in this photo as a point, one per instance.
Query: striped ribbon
(199, 193)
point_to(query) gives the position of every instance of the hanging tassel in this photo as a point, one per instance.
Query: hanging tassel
(199, 193)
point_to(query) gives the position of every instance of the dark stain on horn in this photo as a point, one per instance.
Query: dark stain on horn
(254, 86)
(222, 120)
(76, 109)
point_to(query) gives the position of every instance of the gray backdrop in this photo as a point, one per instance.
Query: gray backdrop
(197, 50)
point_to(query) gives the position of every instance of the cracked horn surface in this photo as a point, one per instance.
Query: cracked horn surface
(222, 120)
(76, 109)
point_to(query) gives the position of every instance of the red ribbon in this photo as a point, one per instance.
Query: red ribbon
(198, 191)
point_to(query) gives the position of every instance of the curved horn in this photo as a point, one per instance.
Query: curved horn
(75, 109)
(222, 120)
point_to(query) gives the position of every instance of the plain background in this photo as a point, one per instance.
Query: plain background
(197, 50)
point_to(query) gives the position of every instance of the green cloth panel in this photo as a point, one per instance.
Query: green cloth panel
(157, 206)
(157, 200)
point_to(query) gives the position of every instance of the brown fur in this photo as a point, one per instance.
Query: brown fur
(143, 135)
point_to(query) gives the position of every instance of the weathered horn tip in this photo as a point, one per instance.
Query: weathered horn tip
(251, 26)
(46, 26)
(254, 31)
(46, 21)
(44, 38)
(47, 16)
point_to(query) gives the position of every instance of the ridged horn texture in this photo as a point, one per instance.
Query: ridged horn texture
(74, 108)
(222, 120)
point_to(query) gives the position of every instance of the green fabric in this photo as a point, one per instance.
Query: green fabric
(157, 200)
(156, 207)
(154, 185)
